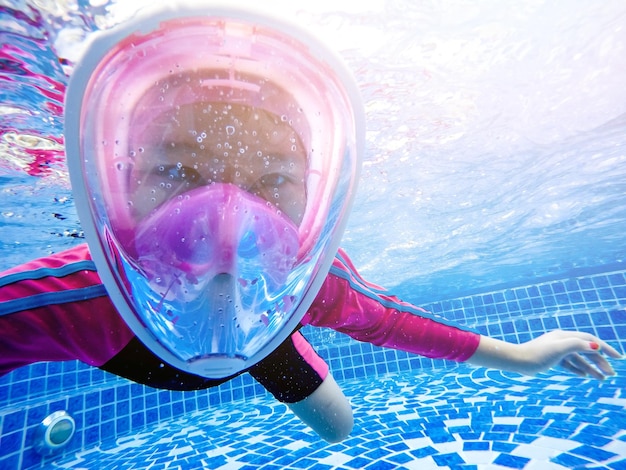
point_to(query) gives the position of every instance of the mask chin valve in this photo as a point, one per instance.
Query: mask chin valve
(223, 314)
(217, 366)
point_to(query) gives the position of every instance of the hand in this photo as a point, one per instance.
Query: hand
(580, 353)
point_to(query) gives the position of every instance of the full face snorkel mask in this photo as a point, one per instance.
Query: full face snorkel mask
(213, 155)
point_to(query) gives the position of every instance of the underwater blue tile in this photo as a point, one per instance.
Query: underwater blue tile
(496, 436)
(536, 302)
(494, 330)
(505, 447)
(570, 461)
(509, 294)
(107, 429)
(203, 401)
(605, 294)
(606, 333)
(618, 317)
(476, 445)
(600, 281)
(10, 461)
(617, 279)
(12, 442)
(545, 289)
(566, 321)
(91, 436)
(137, 420)
(562, 299)
(590, 295)
(507, 428)
(582, 319)
(599, 318)
(549, 301)
(459, 429)
(482, 329)
(511, 461)
(53, 384)
(593, 453)
(524, 438)
(533, 291)
(377, 453)
(575, 297)
(397, 447)
(359, 462)
(439, 437)
(380, 465)
(400, 458)
(424, 452)
(535, 324)
(14, 421)
(450, 459)
(36, 386)
(152, 415)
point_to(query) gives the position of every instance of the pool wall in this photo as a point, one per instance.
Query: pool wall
(105, 406)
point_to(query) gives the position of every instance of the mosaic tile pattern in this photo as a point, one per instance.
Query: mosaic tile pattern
(462, 418)
(106, 407)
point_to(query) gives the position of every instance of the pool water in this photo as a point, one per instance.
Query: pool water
(492, 194)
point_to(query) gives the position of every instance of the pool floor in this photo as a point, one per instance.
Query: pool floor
(459, 418)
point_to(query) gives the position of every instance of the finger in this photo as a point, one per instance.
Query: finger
(601, 363)
(580, 363)
(567, 364)
(603, 346)
(585, 342)
(608, 350)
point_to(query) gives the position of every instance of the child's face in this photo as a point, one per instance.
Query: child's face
(203, 143)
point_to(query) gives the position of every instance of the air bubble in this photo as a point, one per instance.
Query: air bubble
(230, 130)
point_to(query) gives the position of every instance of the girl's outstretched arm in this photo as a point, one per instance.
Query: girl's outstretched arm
(580, 353)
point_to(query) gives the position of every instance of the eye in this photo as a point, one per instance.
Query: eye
(178, 173)
(273, 180)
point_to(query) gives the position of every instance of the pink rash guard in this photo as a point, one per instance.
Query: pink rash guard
(56, 309)
(349, 304)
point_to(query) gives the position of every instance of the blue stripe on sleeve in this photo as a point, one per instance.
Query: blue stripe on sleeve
(388, 303)
(40, 273)
(52, 298)
(357, 276)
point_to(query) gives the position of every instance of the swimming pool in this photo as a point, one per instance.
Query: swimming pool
(487, 196)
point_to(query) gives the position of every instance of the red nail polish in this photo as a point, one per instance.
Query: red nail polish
(594, 346)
